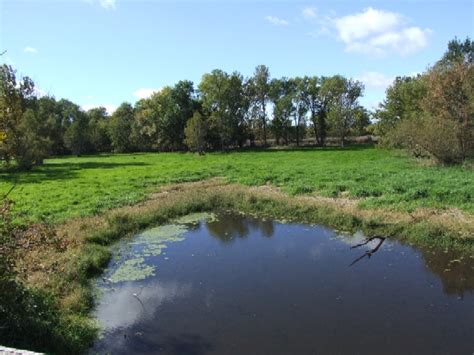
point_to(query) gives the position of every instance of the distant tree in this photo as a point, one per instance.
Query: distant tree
(259, 91)
(450, 101)
(98, 125)
(119, 128)
(300, 103)
(20, 127)
(318, 100)
(50, 112)
(223, 98)
(403, 100)
(281, 94)
(344, 95)
(77, 137)
(196, 133)
(433, 114)
(361, 121)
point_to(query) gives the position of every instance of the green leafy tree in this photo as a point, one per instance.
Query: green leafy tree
(281, 94)
(119, 129)
(300, 103)
(344, 94)
(403, 101)
(259, 91)
(196, 133)
(223, 98)
(21, 129)
(318, 101)
(77, 137)
(98, 125)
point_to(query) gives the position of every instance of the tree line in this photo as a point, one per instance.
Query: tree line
(432, 114)
(224, 111)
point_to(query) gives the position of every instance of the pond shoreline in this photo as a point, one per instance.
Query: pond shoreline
(65, 275)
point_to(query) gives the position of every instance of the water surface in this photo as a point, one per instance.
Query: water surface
(240, 285)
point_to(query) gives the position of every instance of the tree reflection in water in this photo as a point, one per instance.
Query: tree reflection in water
(239, 226)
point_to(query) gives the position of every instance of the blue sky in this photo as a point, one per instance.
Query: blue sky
(104, 52)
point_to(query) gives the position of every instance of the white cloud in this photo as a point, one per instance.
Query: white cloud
(30, 50)
(375, 80)
(276, 21)
(378, 32)
(309, 12)
(106, 4)
(109, 107)
(144, 93)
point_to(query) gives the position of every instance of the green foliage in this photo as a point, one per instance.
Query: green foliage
(343, 104)
(281, 94)
(20, 126)
(77, 137)
(196, 133)
(98, 124)
(120, 127)
(433, 114)
(224, 98)
(259, 91)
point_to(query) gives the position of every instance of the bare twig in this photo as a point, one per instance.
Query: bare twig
(369, 252)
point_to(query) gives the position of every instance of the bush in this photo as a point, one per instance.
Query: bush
(426, 136)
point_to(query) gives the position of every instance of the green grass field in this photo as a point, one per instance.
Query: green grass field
(79, 186)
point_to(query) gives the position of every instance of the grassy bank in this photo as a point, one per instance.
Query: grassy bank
(71, 187)
(62, 272)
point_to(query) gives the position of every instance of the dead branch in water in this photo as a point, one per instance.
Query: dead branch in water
(369, 252)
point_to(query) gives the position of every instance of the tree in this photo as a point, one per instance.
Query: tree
(98, 125)
(281, 94)
(20, 126)
(76, 137)
(50, 112)
(259, 91)
(318, 100)
(344, 95)
(300, 103)
(432, 114)
(223, 98)
(196, 133)
(403, 101)
(458, 51)
(120, 127)
(450, 98)
(361, 121)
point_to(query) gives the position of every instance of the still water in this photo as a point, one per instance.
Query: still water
(233, 284)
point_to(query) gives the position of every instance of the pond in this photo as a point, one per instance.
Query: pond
(235, 284)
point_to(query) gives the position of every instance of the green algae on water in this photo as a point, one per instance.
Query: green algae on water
(150, 243)
(132, 270)
(195, 218)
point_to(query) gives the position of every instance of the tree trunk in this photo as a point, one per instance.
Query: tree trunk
(297, 135)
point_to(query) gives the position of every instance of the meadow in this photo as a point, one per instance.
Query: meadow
(90, 202)
(68, 187)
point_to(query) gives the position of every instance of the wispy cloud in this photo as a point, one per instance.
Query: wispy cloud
(30, 50)
(144, 93)
(378, 32)
(309, 12)
(106, 4)
(276, 21)
(375, 80)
